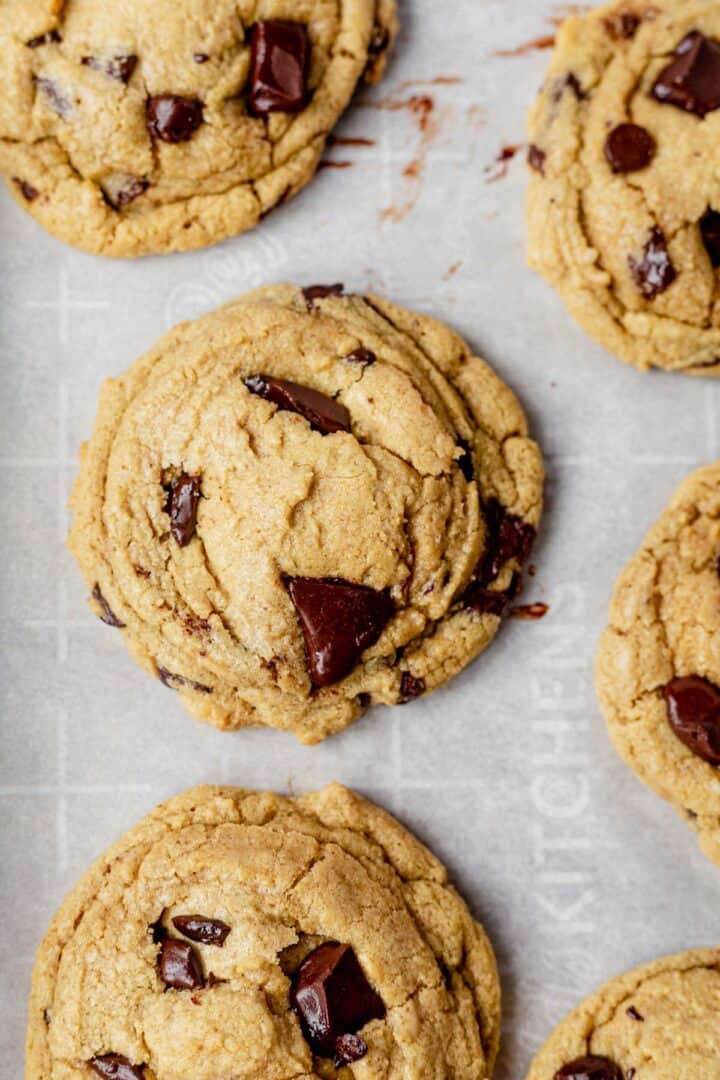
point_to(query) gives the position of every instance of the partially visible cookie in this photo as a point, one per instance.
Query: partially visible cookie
(624, 200)
(303, 504)
(133, 128)
(658, 664)
(241, 934)
(659, 1022)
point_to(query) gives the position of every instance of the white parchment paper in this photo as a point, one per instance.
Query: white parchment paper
(577, 871)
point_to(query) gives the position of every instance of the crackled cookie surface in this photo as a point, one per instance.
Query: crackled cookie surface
(134, 128)
(624, 200)
(238, 933)
(658, 664)
(303, 504)
(659, 1022)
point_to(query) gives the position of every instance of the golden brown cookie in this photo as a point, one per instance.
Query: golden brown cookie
(303, 504)
(239, 933)
(133, 128)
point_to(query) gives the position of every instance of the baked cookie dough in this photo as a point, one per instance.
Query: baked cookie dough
(242, 934)
(658, 664)
(624, 200)
(659, 1022)
(133, 128)
(303, 504)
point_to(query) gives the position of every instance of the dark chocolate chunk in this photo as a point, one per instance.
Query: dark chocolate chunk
(278, 67)
(54, 96)
(465, 462)
(361, 356)
(173, 118)
(52, 37)
(484, 601)
(179, 965)
(181, 506)
(108, 616)
(634, 1014)
(629, 148)
(201, 928)
(410, 687)
(710, 231)
(158, 932)
(509, 537)
(623, 25)
(27, 190)
(590, 1068)
(692, 80)
(333, 998)
(536, 159)
(348, 1048)
(126, 191)
(339, 621)
(654, 272)
(322, 413)
(116, 1067)
(693, 709)
(177, 682)
(569, 81)
(379, 40)
(200, 57)
(319, 292)
(118, 67)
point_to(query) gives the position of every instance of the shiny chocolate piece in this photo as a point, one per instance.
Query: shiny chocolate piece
(629, 148)
(693, 710)
(181, 505)
(118, 67)
(179, 965)
(536, 159)
(710, 232)
(411, 687)
(108, 616)
(278, 67)
(591, 1067)
(692, 80)
(202, 929)
(116, 1067)
(322, 413)
(654, 271)
(320, 292)
(173, 118)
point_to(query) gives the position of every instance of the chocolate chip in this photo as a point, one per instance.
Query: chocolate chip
(536, 159)
(179, 965)
(333, 998)
(629, 148)
(654, 272)
(108, 616)
(465, 461)
(484, 601)
(321, 412)
(349, 1048)
(173, 118)
(201, 928)
(181, 506)
(693, 710)
(158, 932)
(410, 687)
(278, 67)
(118, 67)
(116, 1067)
(178, 682)
(27, 190)
(121, 191)
(54, 96)
(634, 1014)
(710, 231)
(590, 1068)
(565, 82)
(379, 40)
(361, 356)
(623, 25)
(692, 80)
(200, 57)
(52, 37)
(509, 537)
(319, 292)
(339, 621)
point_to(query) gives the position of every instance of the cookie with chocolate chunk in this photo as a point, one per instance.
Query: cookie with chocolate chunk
(235, 933)
(134, 128)
(658, 664)
(624, 197)
(304, 504)
(658, 1022)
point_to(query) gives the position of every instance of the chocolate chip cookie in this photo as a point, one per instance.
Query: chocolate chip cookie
(133, 128)
(658, 665)
(304, 504)
(242, 934)
(659, 1022)
(624, 200)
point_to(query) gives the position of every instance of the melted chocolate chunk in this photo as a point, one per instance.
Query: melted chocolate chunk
(509, 537)
(54, 96)
(348, 1048)
(173, 118)
(179, 965)
(654, 272)
(116, 1067)
(126, 191)
(27, 190)
(536, 159)
(319, 292)
(590, 1068)
(465, 462)
(410, 688)
(333, 999)
(181, 506)
(52, 37)
(177, 682)
(339, 621)
(361, 356)
(622, 26)
(108, 616)
(158, 932)
(321, 412)
(692, 80)
(278, 67)
(379, 41)
(693, 709)
(629, 148)
(118, 67)
(634, 1014)
(202, 929)
(484, 601)
(710, 231)
(200, 57)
